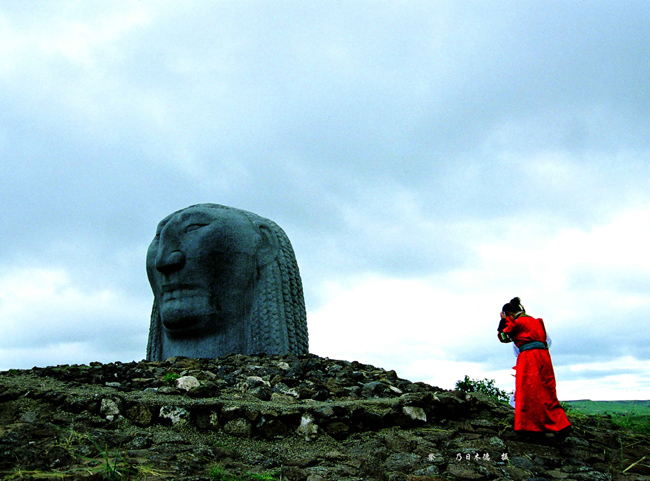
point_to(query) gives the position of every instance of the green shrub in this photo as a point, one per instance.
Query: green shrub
(485, 386)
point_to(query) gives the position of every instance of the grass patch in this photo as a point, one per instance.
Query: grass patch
(170, 377)
(639, 424)
(217, 473)
(585, 406)
(632, 415)
(110, 464)
(19, 473)
(134, 473)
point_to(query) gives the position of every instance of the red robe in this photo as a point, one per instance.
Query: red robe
(536, 405)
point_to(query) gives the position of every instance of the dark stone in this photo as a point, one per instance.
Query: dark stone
(272, 428)
(293, 473)
(140, 442)
(224, 281)
(426, 472)
(139, 414)
(28, 417)
(403, 462)
(238, 427)
(464, 471)
(521, 462)
(337, 429)
(261, 392)
(372, 389)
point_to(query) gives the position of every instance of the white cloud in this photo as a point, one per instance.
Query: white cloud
(623, 363)
(45, 315)
(441, 327)
(30, 43)
(613, 387)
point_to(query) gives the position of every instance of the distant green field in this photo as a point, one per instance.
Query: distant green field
(635, 408)
(634, 415)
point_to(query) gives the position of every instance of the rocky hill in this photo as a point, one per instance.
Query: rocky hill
(284, 418)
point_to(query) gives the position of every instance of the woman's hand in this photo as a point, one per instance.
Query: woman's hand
(503, 315)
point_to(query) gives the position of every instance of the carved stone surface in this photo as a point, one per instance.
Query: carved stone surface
(224, 281)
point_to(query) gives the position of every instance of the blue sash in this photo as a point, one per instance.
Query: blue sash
(533, 345)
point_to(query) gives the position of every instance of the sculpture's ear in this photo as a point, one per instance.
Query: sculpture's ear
(268, 249)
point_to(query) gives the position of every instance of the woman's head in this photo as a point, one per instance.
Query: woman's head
(514, 306)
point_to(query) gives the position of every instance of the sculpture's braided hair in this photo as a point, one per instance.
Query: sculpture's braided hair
(154, 344)
(278, 320)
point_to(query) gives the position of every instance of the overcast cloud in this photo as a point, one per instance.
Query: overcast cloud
(428, 160)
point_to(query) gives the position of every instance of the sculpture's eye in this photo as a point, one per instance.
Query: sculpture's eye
(159, 229)
(192, 227)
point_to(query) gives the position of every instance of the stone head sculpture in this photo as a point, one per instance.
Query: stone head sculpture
(224, 281)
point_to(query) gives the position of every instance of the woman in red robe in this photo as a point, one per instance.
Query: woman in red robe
(537, 408)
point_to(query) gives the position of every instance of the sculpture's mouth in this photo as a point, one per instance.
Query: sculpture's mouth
(178, 322)
(180, 291)
(186, 308)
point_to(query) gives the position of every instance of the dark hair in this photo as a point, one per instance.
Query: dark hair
(514, 305)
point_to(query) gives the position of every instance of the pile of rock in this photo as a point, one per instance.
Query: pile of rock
(300, 377)
(264, 396)
(290, 417)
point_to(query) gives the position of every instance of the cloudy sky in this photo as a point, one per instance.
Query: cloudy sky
(429, 160)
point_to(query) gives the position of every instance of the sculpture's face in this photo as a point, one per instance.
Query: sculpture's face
(201, 266)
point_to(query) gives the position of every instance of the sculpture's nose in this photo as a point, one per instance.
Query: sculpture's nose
(168, 261)
(169, 256)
